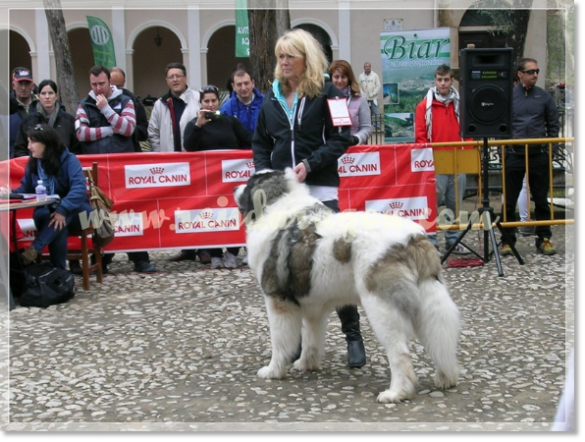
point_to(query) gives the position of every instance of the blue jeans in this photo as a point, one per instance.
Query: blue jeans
(55, 239)
(445, 190)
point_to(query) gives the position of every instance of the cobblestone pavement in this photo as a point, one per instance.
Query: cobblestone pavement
(178, 350)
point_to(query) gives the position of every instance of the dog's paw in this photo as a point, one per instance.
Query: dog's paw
(444, 381)
(304, 365)
(390, 396)
(268, 373)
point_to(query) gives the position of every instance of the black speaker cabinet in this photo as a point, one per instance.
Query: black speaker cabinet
(486, 82)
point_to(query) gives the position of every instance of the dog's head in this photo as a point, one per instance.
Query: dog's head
(263, 189)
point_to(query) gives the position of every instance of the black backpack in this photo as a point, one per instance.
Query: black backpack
(45, 285)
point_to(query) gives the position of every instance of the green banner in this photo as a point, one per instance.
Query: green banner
(101, 42)
(242, 32)
(409, 60)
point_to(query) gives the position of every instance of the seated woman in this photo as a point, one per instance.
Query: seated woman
(61, 173)
(217, 132)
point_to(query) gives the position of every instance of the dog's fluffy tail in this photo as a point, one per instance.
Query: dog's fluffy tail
(438, 326)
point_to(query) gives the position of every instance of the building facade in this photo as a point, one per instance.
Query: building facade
(201, 35)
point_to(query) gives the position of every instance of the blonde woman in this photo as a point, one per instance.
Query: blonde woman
(295, 130)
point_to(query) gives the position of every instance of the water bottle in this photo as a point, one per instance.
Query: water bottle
(41, 191)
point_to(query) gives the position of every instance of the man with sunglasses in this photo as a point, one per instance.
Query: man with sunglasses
(534, 115)
(168, 120)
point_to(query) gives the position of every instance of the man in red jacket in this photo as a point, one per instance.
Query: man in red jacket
(437, 121)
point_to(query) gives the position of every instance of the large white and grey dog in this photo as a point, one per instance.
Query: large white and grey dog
(309, 261)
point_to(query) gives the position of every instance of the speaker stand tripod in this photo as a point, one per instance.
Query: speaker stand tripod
(486, 212)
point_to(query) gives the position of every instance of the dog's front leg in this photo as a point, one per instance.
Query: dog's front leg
(285, 332)
(314, 333)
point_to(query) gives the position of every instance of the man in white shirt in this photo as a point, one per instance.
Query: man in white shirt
(370, 86)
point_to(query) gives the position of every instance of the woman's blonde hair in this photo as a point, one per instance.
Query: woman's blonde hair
(345, 68)
(300, 43)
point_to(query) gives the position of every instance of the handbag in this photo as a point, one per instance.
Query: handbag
(45, 285)
(104, 228)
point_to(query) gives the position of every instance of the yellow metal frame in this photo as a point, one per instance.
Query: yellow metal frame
(457, 160)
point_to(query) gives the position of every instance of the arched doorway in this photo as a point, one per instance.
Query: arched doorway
(476, 24)
(154, 48)
(221, 58)
(322, 37)
(82, 58)
(19, 53)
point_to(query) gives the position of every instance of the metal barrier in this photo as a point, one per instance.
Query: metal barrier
(378, 136)
(456, 161)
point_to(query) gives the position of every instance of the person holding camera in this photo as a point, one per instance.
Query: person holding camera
(213, 131)
(62, 174)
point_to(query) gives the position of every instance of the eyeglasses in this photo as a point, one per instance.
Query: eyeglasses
(210, 88)
(531, 71)
(174, 77)
(38, 127)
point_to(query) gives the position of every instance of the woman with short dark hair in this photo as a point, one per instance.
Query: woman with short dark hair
(62, 175)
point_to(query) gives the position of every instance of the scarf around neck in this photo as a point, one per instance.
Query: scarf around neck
(433, 93)
(52, 117)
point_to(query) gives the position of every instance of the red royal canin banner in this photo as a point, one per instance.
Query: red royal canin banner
(184, 200)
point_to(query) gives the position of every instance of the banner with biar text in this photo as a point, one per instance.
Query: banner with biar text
(409, 61)
(185, 199)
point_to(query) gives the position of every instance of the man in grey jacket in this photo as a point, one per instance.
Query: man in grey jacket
(173, 111)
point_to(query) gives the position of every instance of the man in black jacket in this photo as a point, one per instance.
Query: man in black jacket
(141, 260)
(118, 79)
(535, 115)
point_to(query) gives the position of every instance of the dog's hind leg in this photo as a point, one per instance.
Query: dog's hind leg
(313, 343)
(285, 333)
(438, 327)
(393, 329)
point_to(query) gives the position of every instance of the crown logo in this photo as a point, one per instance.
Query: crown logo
(206, 214)
(396, 205)
(157, 170)
(347, 159)
(250, 164)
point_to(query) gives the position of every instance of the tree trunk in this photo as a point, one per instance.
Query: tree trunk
(63, 61)
(520, 17)
(282, 17)
(263, 36)
(265, 25)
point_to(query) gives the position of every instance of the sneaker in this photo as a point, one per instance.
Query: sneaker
(546, 248)
(204, 257)
(506, 250)
(144, 267)
(216, 263)
(229, 261)
(527, 231)
(460, 250)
